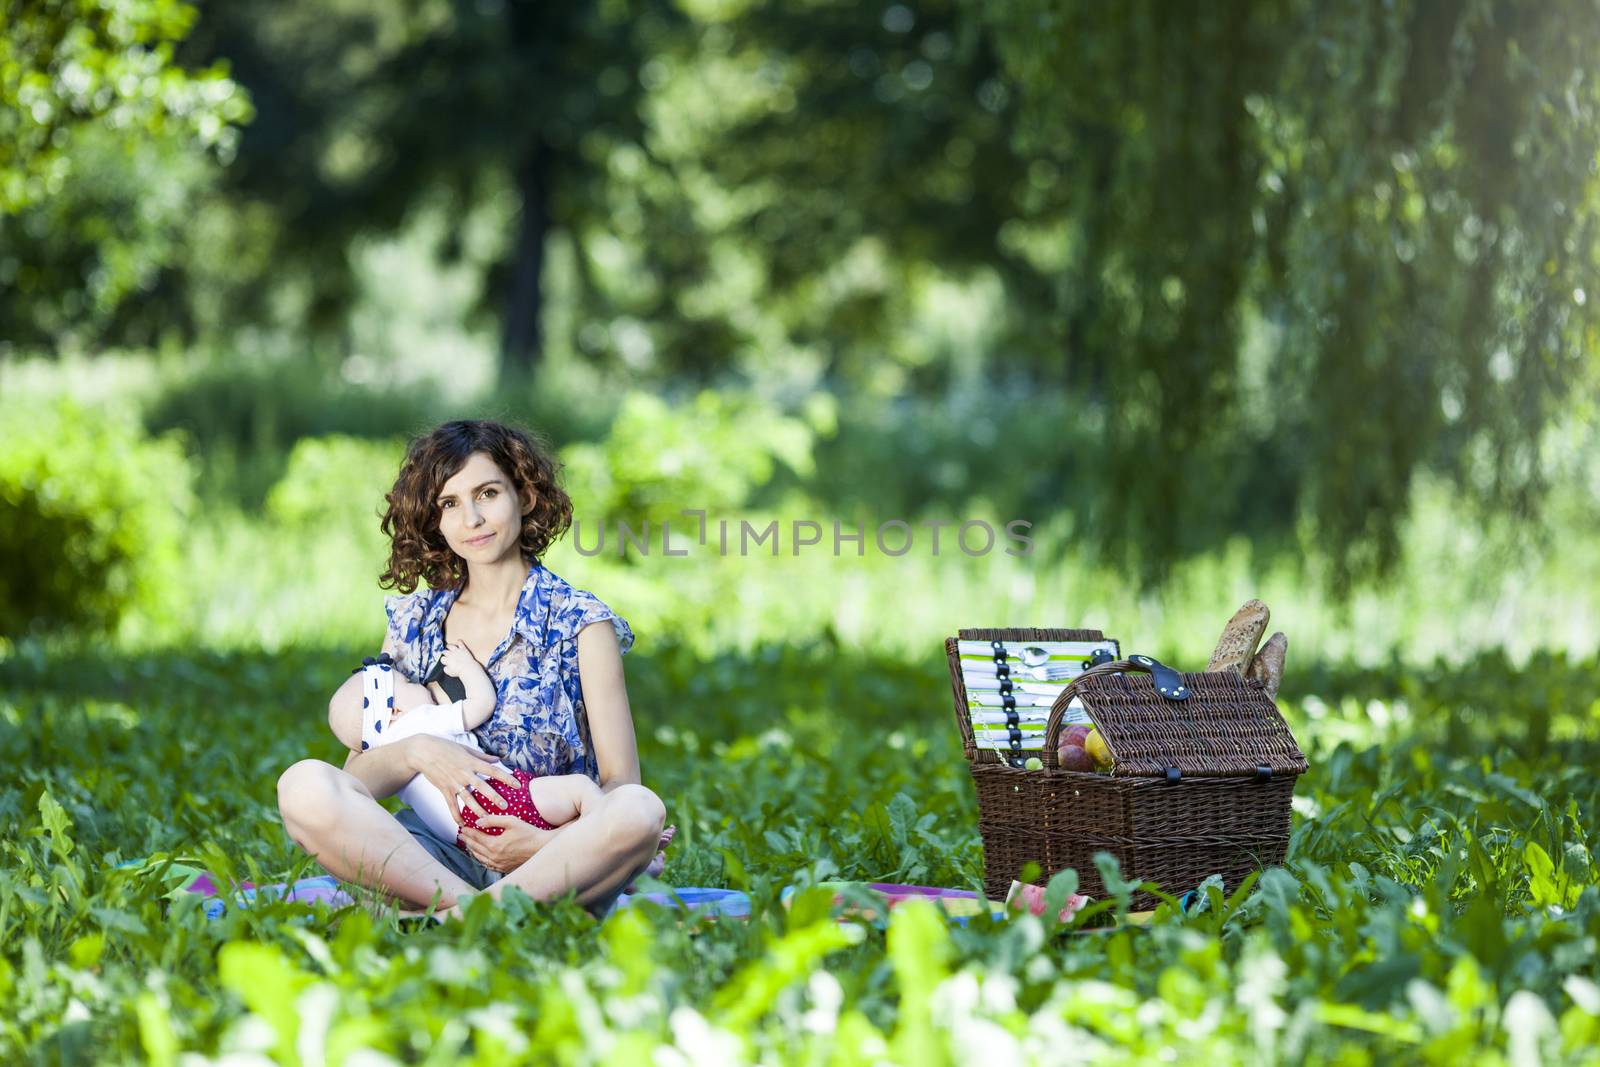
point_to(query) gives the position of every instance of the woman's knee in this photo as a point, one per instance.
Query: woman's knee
(638, 814)
(308, 794)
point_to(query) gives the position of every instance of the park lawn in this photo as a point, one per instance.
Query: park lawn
(1439, 904)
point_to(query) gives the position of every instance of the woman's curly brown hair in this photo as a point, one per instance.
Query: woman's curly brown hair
(417, 550)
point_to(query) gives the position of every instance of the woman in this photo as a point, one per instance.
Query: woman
(473, 510)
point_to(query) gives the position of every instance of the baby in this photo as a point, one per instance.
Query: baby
(544, 802)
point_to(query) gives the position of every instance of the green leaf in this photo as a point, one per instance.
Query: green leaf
(811, 905)
(629, 940)
(155, 1030)
(269, 985)
(1062, 886)
(86, 950)
(1548, 886)
(919, 951)
(791, 958)
(56, 824)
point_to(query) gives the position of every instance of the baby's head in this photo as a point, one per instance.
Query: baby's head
(408, 695)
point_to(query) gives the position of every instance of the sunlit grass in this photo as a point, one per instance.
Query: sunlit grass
(1440, 891)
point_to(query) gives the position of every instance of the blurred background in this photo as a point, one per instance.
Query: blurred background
(1258, 297)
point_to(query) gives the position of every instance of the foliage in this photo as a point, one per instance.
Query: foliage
(244, 420)
(1264, 264)
(1222, 232)
(104, 138)
(710, 452)
(522, 105)
(326, 488)
(1405, 194)
(1440, 903)
(92, 516)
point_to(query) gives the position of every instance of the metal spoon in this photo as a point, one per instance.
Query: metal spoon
(1034, 656)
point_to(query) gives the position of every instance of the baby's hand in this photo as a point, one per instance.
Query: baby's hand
(479, 702)
(460, 662)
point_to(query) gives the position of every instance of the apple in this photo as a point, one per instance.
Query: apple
(1074, 758)
(1034, 763)
(1075, 734)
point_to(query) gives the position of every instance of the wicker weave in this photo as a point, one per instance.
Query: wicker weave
(1227, 815)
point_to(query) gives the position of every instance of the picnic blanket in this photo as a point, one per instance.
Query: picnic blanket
(186, 878)
(858, 900)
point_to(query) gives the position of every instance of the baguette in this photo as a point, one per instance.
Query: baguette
(1267, 667)
(1239, 638)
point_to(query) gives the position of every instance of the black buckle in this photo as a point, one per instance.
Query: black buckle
(1263, 773)
(1099, 656)
(1174, 776)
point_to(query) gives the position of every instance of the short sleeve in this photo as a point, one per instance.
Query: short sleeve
(405, 631)
(586, 608)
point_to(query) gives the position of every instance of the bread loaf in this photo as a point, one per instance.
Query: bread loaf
(1267, 666)
(1239, 638)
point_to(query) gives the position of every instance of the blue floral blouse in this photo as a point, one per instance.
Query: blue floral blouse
(539, 723)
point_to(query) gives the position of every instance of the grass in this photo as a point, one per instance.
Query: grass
(1440, 901)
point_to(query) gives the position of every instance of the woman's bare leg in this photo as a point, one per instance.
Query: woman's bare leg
(331, 815)
(597, 853)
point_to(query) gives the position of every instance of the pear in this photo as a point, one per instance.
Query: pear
(1095, 747)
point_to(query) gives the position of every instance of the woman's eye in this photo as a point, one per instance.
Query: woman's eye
(488, 492)
(446, 503)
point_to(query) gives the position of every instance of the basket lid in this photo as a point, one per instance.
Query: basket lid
(1228, 726)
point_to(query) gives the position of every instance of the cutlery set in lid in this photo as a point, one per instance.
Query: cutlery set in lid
(1012, 685)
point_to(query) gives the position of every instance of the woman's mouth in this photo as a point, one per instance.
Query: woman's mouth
(481, 539)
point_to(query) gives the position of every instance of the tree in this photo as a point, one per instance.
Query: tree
(101, 132)
(1287, 254)
(368, 111)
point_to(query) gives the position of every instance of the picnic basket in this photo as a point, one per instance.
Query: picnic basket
(1200, 785)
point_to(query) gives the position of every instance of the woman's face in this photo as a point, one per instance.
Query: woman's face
(480, 514)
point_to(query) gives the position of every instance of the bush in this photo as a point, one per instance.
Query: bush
(244, 419)
(713, 452)
(335, 482)
(92, 517)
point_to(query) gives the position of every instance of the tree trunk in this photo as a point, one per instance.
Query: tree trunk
(522, 342)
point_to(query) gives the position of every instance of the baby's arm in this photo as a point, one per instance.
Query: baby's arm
(562, 798)
(480, 699)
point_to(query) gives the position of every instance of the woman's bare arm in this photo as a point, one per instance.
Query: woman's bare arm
(605, 697)
(384, 770)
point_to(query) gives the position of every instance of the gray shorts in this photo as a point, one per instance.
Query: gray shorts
(467, 866)
(459, 861)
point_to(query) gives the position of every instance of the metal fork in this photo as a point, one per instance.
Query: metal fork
(1041, 674)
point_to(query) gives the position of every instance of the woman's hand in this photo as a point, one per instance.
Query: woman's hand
(456, 770)
(505, 851)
